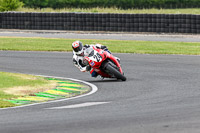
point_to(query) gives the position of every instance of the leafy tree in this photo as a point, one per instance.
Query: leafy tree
(36, 3)
(10, 5)
(124, 4)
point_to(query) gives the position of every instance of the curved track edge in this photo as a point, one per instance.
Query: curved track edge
(92, 91)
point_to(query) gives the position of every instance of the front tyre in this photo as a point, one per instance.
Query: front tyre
(115, 72)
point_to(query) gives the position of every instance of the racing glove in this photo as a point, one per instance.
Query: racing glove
(88, 68)
(75, 62)
(100, 46)
(86, 46)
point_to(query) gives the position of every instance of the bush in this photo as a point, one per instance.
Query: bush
(124, 4)
(36, 3)
(10, 5)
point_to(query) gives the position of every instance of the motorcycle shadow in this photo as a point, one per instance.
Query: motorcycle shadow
(105, 80)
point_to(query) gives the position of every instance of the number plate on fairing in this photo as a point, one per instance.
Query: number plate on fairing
(96, 57)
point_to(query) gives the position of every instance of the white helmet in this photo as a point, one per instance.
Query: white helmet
(77, 47)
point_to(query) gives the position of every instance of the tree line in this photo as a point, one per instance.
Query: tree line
(122, 4)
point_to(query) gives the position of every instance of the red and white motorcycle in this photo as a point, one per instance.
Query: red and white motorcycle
(104, 63)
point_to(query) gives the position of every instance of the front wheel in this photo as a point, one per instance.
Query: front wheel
(115, 72)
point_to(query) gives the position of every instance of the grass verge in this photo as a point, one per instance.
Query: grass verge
(116, 10)
(117, 46)
(15, 85)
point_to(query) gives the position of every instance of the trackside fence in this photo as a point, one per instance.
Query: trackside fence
(160, 23)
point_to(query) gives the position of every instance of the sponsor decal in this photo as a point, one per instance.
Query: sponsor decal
(92, 63)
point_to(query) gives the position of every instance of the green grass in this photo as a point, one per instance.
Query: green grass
(116, 10)
(116, 46)
(10, 80)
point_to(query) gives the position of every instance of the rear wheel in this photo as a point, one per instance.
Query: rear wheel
(115, 72)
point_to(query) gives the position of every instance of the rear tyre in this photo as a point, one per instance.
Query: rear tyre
(116, 73)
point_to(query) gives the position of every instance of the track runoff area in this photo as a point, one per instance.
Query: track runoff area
(66, 89)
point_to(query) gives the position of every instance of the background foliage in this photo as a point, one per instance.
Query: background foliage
(124, 4)
(10, 5)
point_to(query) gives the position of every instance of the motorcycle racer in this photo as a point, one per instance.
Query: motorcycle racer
(78, 56)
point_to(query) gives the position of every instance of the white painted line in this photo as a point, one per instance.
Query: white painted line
(94, 89)
(81, 105)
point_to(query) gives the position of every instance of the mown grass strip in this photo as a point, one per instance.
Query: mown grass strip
(72, 87)
(66, 91)
(20, 101)
(125, 46)
(55, 91)
(53, 95)
(68, 83)
(44, 95)
(32, 98)
(117, 10)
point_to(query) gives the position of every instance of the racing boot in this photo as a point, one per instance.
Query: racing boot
(93, 73)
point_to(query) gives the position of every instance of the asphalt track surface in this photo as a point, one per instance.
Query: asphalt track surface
(161, 95)
(101, 35)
